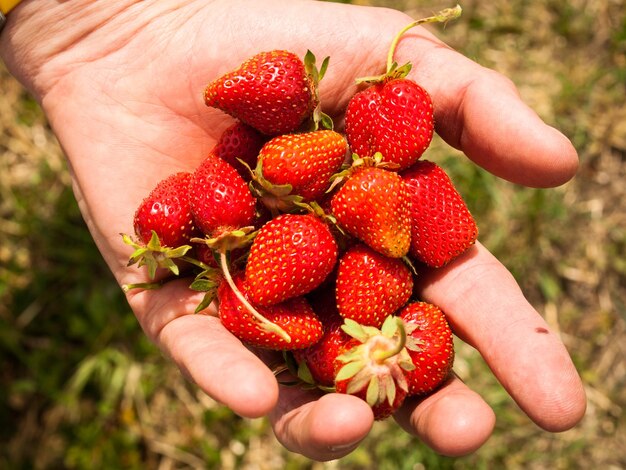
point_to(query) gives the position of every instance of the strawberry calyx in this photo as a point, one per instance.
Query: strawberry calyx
(376, 160)
(304, 374)
(276, 197)
(144, 285)
(306, 380)
(291, 381)
(229, 240)
(394, 70)
(154, 255)
(317, 210)
(358, 162)
(378, 363)
(290, 366)
(299, 374)
(411, 265)
(319, 118)
(207, 281)
(412, 343)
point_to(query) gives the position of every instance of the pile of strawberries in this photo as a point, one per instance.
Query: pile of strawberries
(310, 239)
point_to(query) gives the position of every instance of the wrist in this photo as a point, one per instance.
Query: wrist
(38, 33)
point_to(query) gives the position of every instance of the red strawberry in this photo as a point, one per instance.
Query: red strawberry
(430, 346)
(317, 363)
(291, 255)
(166, 210)
(220, 199)
(295, 316)
(375, 365)
(373, 205)
(370, 286)
(441, 225)
(394, 117)
(274, 92)
(240, 142)
(164, 225)
(298, 165)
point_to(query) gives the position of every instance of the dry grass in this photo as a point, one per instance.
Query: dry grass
(567, 248)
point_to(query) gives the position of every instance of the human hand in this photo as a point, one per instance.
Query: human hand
(121, 83)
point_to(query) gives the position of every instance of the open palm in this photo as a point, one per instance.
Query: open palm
(123, 92)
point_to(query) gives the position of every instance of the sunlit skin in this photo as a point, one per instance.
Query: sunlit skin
(122, 85)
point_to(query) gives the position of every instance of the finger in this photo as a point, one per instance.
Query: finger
(205, 351)
(320, 427)
(453, 421)
(487, 309)
(480, 112)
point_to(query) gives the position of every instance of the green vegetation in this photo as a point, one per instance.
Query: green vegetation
(81, 386)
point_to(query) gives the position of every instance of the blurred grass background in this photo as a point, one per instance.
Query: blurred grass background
(81, 387)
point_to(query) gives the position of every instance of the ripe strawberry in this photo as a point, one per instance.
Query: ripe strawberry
(441, 225)
(166, 210)
(430, 346)
(295, 316)
(370, 286)
(394, 117)
(317, 363)
(375, 365)
(274, 92)
(164, 226)
(373, 205)
(240, 142)
(291, 255)
(298, 165)
(220, 199)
